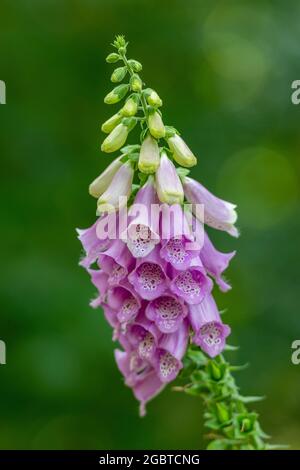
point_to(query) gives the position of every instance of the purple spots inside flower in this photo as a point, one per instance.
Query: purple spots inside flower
(140, 242)
(175, 251)
(118, 273)
(168, 367)
(147, 346)
(167, 312)
(188, 283)
(128, 310)
(211, 334)
(150, 276)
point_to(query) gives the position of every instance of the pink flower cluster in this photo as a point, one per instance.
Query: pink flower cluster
(155, 281)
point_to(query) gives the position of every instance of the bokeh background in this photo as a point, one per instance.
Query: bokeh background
(224, 70)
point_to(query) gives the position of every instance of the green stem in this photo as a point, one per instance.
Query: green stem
(231, 426)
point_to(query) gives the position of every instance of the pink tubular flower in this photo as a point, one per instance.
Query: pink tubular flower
(116, 262)
(215, 262)
(125, 302)
(91, 244)
(142, 233)
(171, 350)
(192, 285)
(210, 332)
(167, 312)
(149, 278)
(178, 245)
(218, 214)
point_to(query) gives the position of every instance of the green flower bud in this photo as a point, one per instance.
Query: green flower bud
(111, 123)
(153, 98)
(136, 83)
(100, 184)
(112, 58)
(222, 413)
(131, 106)
(215, 371)
(116, 139)
(181, 152)
(117, 94)
(149, 156)
(118, 74)
(156, 125)
(135, 65)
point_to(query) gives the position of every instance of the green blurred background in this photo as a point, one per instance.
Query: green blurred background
(224, 70)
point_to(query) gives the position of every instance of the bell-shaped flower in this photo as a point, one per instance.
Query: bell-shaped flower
(116, 139)
(156, 125)
(143, 336)
(100, 184)
(140, 376)
(171, 350)
(92, 244)
(142, 233)
(167, 312)
(116, 195)
(124, 301)
(116, 262)
(178, 245)
(149, 278)
(210, 332)
(192, 284)
(168, 185)
(215, 262)
(218, 214)
(149, 156)
(181, 152)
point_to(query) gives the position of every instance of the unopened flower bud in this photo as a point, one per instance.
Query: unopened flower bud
(116, 139)
(135, 65)
(112, 58)
(136, 83)
(181, 152)
(120, 187)
(131, 106)
(168, 185)
(149, 156)
(222, 413)
(118, 74)
(111, 123)
(152, 98)
(117, 94)
(100, 184)
(156, 125)
(214, 370)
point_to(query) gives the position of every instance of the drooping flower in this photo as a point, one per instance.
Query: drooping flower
(152, 270)
(218, 214)
(210, 332)
(192, 284)
(142, 233)
(178, 244)
(167, 311)
(116, 195)
(168, 185)
(149, 278)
